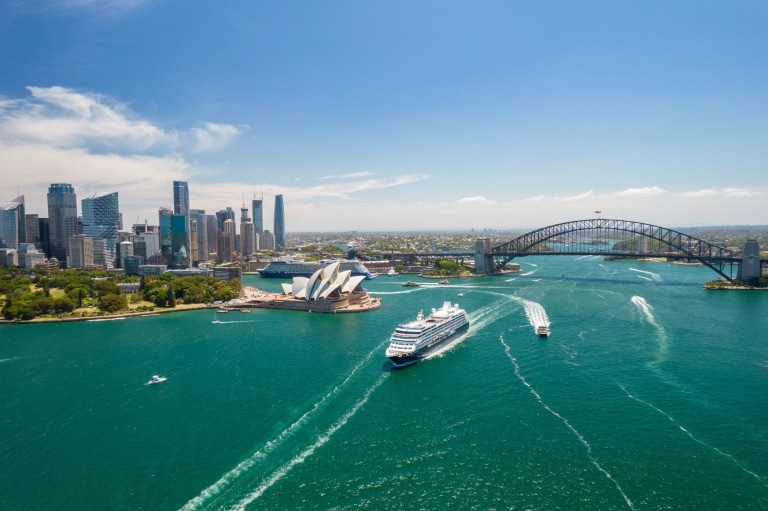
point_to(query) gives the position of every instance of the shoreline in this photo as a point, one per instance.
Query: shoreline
(120, 315)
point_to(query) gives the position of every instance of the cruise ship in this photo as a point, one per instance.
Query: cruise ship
(287, 269)
(413, 340)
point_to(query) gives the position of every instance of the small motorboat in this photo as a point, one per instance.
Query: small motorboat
(461, 294)
(410, 284)
(156, 379)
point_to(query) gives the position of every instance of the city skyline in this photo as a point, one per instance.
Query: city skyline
(396, 117)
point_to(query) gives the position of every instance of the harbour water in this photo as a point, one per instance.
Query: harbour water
(650, 393)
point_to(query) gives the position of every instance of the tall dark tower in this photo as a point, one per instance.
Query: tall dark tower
(62, 217)
(279, 223)
(181, 209)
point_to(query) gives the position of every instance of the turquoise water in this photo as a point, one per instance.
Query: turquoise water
(650, 393)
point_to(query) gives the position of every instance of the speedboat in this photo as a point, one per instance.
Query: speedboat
(156, 379)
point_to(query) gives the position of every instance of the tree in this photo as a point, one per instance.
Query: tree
(171, 299)
(112, 303)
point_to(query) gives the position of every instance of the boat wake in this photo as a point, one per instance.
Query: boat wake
(219, 488)
(218, 322)
(661, 333)
(321, 440)
(690, 435)
(653, 276)
(565, 421)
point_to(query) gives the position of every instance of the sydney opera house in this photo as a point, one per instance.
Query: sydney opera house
(327, 290)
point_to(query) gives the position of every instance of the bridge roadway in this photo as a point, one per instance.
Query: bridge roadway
(609, 238)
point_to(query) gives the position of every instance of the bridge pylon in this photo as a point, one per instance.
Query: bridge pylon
(483, 257)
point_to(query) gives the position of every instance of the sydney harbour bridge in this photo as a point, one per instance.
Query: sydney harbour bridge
(615, 239)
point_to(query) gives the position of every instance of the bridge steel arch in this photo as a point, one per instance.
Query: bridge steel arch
(600, 236)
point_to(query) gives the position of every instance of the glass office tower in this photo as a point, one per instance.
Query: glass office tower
(62, 218)
(258, 216)
(279, 223)
(174, 244)
(101, 221)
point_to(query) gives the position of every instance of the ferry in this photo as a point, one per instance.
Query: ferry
(542, 331)
(410, 283)
(413, 340)
(289, 268)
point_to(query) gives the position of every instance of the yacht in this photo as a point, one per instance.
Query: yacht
(156, 379)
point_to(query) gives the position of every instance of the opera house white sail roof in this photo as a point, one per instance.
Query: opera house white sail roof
(325, 282)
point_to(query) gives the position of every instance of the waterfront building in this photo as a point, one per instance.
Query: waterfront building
(62, 218)
(101, 221)
(174, 239)
(227, 272)
(80, 250)
(258, 215)
(9, 225)
(267, 240)
(279, 223)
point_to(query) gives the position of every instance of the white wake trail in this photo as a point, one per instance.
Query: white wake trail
(227, 479)
(654, 276)
(661, 333)
(573, 430)
(321, 440)
(690, 435)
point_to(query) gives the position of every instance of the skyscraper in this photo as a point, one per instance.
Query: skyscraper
(223, 215)
(101, 221)
(181, 208)
(202, 234)
(258, 216)
(9, 225)
(180, 198)
(174, 239)
(62, 217)
(279, 223)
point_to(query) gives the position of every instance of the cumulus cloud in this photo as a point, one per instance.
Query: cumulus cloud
(213, 137)
(573, 198)
(65, 118)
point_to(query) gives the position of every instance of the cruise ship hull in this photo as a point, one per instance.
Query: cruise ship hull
(398, 362)
(281, 270)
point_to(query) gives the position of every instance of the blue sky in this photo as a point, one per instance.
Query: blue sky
(395, 115)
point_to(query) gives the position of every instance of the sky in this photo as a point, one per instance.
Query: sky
(392, 116)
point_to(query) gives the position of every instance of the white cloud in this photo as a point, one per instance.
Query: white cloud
(573, 198)
(65, 118)
(640, 192)
(352, 175)
(481, 200)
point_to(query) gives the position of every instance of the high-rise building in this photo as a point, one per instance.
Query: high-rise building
(258, 215)
(9, 225)
(247, 238)
(223, 215)
(199, 216)
(279, 223)
(33, 230)
(212, 230)
(101, 221)
(62, 218)
(180, 198)
(80, 250)
(22, 219)
(174, 239)
(267, 240)
(181, 208)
